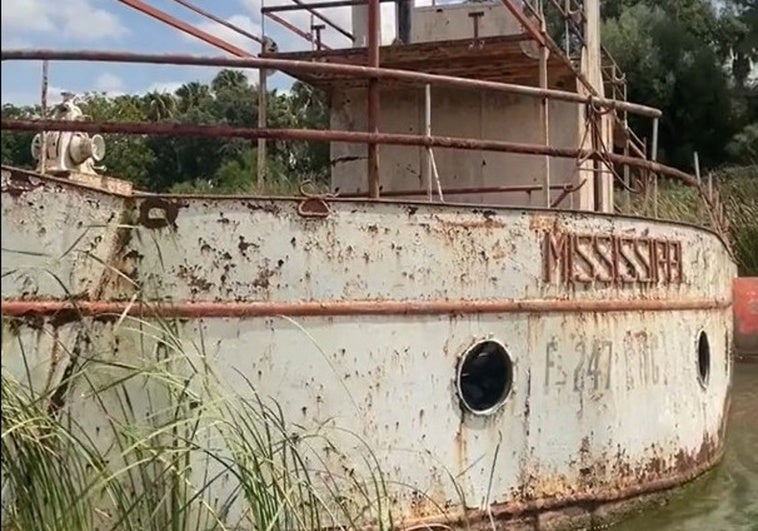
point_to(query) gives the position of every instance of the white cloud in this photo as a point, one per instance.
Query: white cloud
(165, 86)
(109, 83)
(75, 19)
(33, 97)
(232, 37)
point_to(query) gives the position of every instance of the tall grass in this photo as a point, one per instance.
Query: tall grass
(166, 447)
(735, 193)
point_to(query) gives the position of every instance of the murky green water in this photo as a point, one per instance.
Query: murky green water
(727, 498)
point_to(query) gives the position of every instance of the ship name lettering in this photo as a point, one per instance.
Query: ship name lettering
(608, 259)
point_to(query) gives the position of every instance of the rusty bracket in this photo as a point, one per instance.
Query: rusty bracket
(317, 29)
(567, 190)
(314, 205)
(475, 16)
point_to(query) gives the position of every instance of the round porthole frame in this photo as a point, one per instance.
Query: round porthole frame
(506, 387)
(704, 359)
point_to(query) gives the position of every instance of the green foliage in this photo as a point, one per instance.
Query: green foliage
(736, 199)
(195, 165)
(174, 449)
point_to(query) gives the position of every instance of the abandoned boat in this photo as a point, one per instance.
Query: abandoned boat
(469, 303)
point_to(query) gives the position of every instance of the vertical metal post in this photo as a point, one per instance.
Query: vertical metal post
(43, 110)
(313, 41)
(262, 74)
(261, 166)
(697, 167)
(567, 27)
(428, 133)
(699, 182)
(545, 108)
(627, 181)
(654, 158)
(374, 15)
(710, 187)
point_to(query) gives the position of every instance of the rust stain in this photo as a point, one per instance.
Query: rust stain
(560, 494)
(17, 184)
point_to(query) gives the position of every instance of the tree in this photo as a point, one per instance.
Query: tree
(671, 56)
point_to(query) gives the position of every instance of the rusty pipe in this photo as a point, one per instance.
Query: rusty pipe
(527, 188)
(325, 68)
(174, 22)
(317, 5)
(222, 309)
(294, 29)
(358, 137)
(374, 103)
(324, 19)
(219, 20)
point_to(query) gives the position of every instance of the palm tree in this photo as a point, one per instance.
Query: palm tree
(229, 79)
(192, 95)
(160, 105)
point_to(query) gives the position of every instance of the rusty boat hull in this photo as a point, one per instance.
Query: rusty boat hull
(616, 332)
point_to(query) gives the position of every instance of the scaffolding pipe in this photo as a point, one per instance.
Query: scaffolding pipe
(323, 18)
(428, 133)
(654, 158)
(545, 110)
(357, 137)
(43, 102)
(324, 68)
(318, 5)
(219, 20)
(374, 15)
(294, 29)
(174, 22)
(262, 124)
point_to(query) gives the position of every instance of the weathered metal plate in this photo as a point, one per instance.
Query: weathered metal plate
(356, 315)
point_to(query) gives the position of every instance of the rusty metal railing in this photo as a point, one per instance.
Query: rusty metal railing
(371, 138)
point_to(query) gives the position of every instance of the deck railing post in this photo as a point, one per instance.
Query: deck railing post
(545, 105)
(374, 15)
(428, 133)
(654, 158)
(43, 110)
(262, 121)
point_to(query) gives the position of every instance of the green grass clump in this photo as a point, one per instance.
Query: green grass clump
(734, 213)
(172, 449)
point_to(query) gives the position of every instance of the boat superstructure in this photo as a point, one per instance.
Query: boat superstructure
(468, 302)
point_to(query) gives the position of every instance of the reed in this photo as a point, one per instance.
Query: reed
(735, 193)
(171, 442)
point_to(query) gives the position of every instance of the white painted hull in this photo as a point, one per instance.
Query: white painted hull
(358, 320)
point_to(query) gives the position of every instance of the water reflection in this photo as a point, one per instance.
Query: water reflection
(726, 499)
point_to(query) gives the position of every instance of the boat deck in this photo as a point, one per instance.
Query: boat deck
(500, 58)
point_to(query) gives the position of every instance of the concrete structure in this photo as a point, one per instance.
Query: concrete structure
(484, 41)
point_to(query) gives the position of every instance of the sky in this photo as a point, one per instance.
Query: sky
(111, 25)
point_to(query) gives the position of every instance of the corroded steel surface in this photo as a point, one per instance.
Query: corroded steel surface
(608, 398)
(746, 315)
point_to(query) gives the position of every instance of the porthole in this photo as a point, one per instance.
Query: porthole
(703, 358)
(485, 377)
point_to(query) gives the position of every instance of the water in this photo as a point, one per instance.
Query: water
(727, 498)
